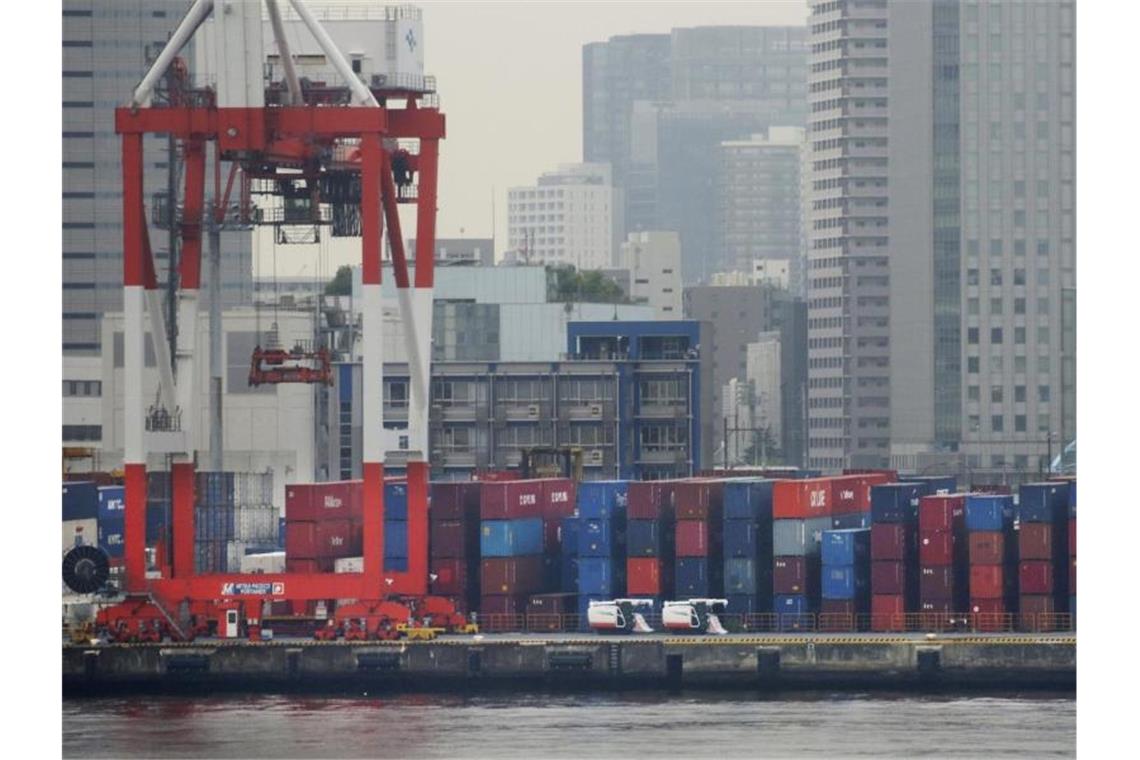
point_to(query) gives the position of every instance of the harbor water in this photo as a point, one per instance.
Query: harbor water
(635, 725)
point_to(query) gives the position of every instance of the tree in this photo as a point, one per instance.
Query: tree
(566, 284)
(341, 283)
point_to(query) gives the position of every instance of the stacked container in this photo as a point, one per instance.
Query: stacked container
(1043, 552)
(991, 552)
(454, 542)
(851, 498)
(323, 523)
(650, 539)
(112, 511)
(601, 542)
(213, 520)
(559, 501)
(801, 511)
(1073, 551)
(894, 550)
(845, 588)
(512, 564)
(943, 554)
(698, 505)
(748, 545)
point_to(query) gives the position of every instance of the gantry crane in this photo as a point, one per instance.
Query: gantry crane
(349, 151)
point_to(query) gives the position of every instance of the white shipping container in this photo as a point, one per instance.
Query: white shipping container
(349, 565)
(268, 562)
(85, 532)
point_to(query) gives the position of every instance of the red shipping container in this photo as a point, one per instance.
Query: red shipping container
(308, 566)
(643, 576)
(507, 500)
(338, 538)
(1072, 536)
(336, 500)
(849, 495)
(987, 582)
(839, 615)
(891, 541)
(942, 512)
(501, 604)
(1035, 577)
(888, 612)
(1035, 541)
(512, 575)
(301, 540)
(1036, 604)
(889, 577)
(450, 576)
(450, 538)
(801, 499)
(692, 538)
(838, 607)
(936, 547)
(454, 501)
(558, 498)
(937, 583)
(989, 614)
(987, 547)
(794, 575)
(1072, 576)
(698, 499)
(650, 499)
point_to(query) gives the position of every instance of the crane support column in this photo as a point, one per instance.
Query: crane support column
(372, 371)
(134, 428)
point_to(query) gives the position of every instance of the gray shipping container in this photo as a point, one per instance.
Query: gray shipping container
(798, 538)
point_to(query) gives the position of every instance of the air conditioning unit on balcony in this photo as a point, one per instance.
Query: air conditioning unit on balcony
(532, 411)
(595, 456)
(595, 410)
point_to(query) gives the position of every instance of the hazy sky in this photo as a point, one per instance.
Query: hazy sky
(509, 76)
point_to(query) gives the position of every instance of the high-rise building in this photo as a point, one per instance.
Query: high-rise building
(653, 260)
(568, 217)
(758, 201)
(941, 233)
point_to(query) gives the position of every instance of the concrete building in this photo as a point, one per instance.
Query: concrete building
(952, 337)
(765, 376)
(774, 271)
(653, 260)
(758, 202)
(569, 217)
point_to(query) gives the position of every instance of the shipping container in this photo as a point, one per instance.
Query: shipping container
(454, 538)
(458, 500)
(698, 499)
(1038, 611)
(568, 534)
(650, 499)
(80, 500)
(395, 540)
(849, 495)
(938, 606)
(301, 540)
(748, 499)
(1072, 536)
(888, 612)
(559, 603)
(1043, 502)
(395, 500)
(111, 537)
(798, 537)
(1072, 576)
(741, 577)
(568, 573)
(939, 547)
(647, 576)
(795, 575)
(1036, 577)
(336, 500)
(988, 548)
(743, 539)
(451, 577)
(801, 499)
(601, 575)
(990, 582)
(988, 512)
(111, 503)
(845, 547)
(1073, 499)
(603, 499)
(511, 575)
(510, 538)
(896, 502)
(509, 500)
(891, 577)
(648, 538)
(600, 538)
(1035, 541)
(501, 604)
(945, 512)
(559, 498)
(340, 538)
(746, 604)
(851, 521)
(893, 541)
(844, 582)
(935, 484)
(263, 562)
(794, 612)
(308, 566)
(692, 538)
(942, 583)
(697, 577)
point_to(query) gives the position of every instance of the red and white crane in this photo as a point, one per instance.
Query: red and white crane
(286, 143)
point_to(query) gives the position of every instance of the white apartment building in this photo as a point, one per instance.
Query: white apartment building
(654, 263)
(567, 217)
(763, 371)
(777, 272)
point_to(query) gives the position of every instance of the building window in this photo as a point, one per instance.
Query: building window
(975, 423)
(973, 365)
(995, 277)
(995, 335)
(972, 336)
(995, 306)
(1043, 394)
(82, 432)
(996, 394)
(1019, 393)
(997, 423)
(974, 393)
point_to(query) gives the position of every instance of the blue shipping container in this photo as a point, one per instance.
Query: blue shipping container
(896, 502)
(602, 499)
(157, 520)
(511, 538)
(798, 538)
(744, 604)
(846, 547)
(791, 604)
(851, 520)
(740, 576)
(742, 538)
(598, 575)
(568, 533)
(396, 564)
(1043, 502)
(568, 573)
(748, 499)
(845, 582)
(396, 539)
(111, 537)
(599, 538)
(80, 500)
(989, 512)
(1072, 498)
(395, 501)
(111, 502)
(936, 483)
(692, 577)
(644, 538)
